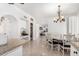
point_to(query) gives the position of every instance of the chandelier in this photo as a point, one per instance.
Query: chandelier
(59, 18)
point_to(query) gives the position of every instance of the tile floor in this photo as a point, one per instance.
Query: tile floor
(39, 47)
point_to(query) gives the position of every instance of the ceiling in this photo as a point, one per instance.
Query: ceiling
(48, 10)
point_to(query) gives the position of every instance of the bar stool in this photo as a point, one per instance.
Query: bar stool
(55, 45)
(66, 47)
(49, 41)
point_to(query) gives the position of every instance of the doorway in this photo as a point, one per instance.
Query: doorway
(31, 31)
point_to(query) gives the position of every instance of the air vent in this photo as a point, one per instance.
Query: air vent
(22, 3)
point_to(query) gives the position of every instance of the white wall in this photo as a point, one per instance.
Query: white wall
(59, 28)
(14, 28)
(36, 31)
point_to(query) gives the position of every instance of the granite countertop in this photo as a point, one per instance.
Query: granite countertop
(12, 44)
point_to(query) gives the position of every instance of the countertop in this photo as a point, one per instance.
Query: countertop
(12, 44)
(76, 45)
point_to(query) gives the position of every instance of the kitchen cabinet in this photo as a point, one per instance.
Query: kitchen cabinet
(14, 47)
(15, 52)
(3, 39)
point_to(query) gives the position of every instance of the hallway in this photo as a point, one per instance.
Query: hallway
(39, 48)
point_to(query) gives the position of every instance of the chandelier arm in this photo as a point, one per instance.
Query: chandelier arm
(59, 11)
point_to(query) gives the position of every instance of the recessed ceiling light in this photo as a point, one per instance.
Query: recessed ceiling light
(11, 3)
(22, 3)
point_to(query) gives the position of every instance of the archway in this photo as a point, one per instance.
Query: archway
(10, 26)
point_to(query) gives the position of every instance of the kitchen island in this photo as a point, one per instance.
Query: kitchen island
(14, 47)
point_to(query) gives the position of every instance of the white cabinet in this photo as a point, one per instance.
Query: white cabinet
(25, 37)
(74, 51)
(3, 39)
(15, 52)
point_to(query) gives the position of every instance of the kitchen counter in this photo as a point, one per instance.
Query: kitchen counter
(12, 44)
(76, 45)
